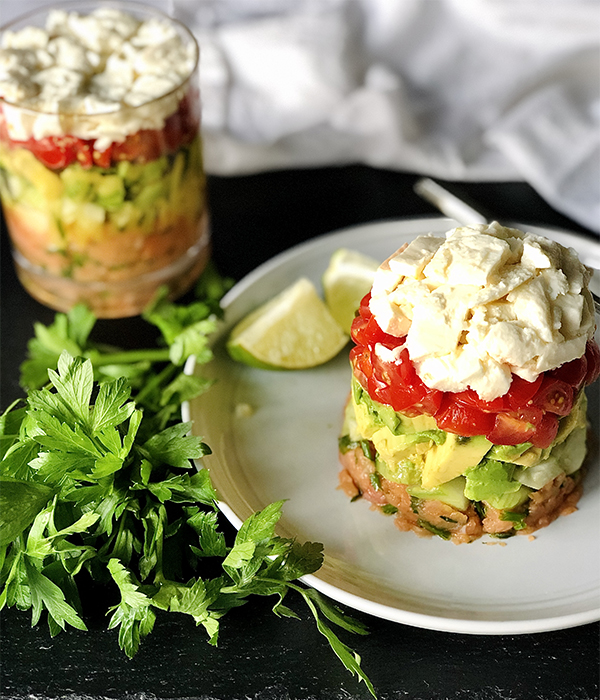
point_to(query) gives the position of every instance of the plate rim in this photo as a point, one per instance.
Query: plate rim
(487, 627)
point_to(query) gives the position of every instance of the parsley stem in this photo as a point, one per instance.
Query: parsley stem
(128, 356)
(347, 656)
(154, 382)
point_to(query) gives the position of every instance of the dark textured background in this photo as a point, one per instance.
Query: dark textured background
(259, 655)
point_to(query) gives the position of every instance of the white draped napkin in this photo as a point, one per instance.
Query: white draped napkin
(475, 90)
(469, 90)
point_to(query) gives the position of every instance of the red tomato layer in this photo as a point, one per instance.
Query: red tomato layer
(58, 152)
(528, 412)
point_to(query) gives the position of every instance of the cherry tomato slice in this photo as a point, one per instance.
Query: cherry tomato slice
(462, 419)
(142, 147)
(363, 308)
(510, 430)
(592, 355)
(521, 392)
(54, 152)
(380, 391)
(545, 431)
(366, 331)
(430, 403)
(374, 334)
(471, 398)
(573, 373)
(554, 396)
(357, 329)
(360, 358)
(85, 154)
(103, 159)
(398, 383)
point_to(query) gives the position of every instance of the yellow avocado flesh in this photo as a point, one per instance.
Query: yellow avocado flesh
(439, 463)
(453, 458)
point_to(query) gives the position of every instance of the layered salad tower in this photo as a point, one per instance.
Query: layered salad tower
(467, 414)
(101, 171)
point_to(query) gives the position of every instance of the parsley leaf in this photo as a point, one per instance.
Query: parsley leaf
(133, 616)
(20, 502)
(174, 446)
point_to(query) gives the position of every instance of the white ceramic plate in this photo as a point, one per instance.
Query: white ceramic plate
(287, 449)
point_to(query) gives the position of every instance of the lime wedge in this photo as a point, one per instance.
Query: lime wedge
(294, 330)
(346, 280)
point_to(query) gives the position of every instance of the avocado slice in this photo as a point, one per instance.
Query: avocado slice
(452, 493)
(446, 461)
(492, 481)
(394, 448)
(508, 453)
(567, 457)
(404, 471)
(110, 192)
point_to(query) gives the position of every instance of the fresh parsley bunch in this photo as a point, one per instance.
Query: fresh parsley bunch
(98, 478)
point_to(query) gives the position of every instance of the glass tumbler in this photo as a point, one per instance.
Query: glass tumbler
(101, 175)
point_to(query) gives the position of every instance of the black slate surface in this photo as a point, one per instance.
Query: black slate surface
(259, 655)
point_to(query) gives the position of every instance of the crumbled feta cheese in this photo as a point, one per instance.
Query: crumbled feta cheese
(148, 87)
(437, 327)
(69, 53)
(17, 90)
(28, 38)
(154, 32)
(388, 354)
(483, 304)
(58, 83)
(534, 256)
(93, 64)
(100, 104)
(102, 31)
(415, 256)
(468, 259)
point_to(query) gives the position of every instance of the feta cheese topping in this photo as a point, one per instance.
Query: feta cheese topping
(82, 66)
(483, 303)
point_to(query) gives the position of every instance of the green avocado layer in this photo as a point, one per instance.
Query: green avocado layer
(436, 465)
(124, 195)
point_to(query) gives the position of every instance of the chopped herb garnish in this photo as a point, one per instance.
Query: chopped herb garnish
(425, 524)
(375, 479)
(479, 509)
(389, 509)
(518, 519)
(345, 444)
(368, 449)
(414, 504)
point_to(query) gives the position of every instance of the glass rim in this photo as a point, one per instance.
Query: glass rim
(71, 5)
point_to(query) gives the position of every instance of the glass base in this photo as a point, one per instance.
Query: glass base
(117, 299)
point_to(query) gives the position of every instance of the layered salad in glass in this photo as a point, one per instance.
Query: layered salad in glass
(467, 413)
(101, 174)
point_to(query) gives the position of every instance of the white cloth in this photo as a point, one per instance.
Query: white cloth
(475, 90)
(456, 89)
